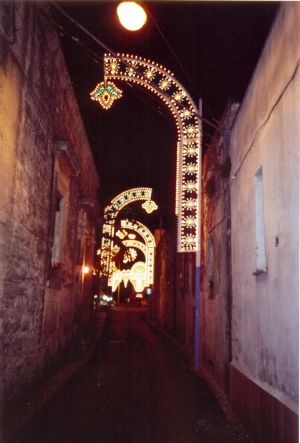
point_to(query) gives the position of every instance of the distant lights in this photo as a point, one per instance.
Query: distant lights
(108, 249)
(85, 269)
(149, 206)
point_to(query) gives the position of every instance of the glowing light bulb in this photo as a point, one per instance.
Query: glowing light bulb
(131, 15)
(85, 269)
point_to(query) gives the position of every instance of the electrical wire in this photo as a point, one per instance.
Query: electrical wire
(170, 48)
(109, 50)
(176, 57)
(277, 101)
(99, 61)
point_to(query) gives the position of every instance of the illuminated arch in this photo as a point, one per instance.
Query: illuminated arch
(135, 244)
(125, 198)
(137, 275)
(148, 247)
(149, 240)
(111, 212)
(160, 81)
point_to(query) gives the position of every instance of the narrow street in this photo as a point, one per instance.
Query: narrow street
(149, 235)
(136, 388)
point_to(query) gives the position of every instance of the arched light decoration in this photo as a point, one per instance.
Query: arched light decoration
(106, 93)
(131, 15)
(135, 244)
(130, 255)
(148, 247)
(110, 213)
(149, 241)
(137, 275)
(161, 82)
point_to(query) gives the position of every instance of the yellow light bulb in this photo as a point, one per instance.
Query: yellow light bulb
(131, 15)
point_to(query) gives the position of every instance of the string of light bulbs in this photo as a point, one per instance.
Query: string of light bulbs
(99, 61)
(112, 52)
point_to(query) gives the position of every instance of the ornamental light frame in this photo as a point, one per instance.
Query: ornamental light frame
(149, 241)
(110, 214)
(135, 244)
(161, 82)
(148, 248)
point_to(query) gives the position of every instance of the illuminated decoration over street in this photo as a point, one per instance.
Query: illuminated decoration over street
(149, 206)
(129, 255)
(106, 93)
(161, 82)
(138, 276)
(135, 244)
(135, 275)
(108, 250)
(149, 240)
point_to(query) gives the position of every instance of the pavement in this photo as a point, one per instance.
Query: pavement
(35, 401)
(134, 387)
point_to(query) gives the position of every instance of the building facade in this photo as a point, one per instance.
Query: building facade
(49, 211)
(264, 151)
(215, 337)
(249, 248)
(172, 304)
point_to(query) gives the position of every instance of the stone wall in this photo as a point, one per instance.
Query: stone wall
(216, 255)
(45, 156)
(162, 301)
(172, 306)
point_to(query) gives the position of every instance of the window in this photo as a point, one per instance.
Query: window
(261, 265)
(58, 229)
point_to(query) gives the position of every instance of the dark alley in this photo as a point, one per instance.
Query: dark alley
(149, 221)
(137, 387)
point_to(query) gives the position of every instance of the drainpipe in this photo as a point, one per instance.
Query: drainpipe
(197, 331)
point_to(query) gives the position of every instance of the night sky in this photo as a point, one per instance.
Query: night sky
(134, 143)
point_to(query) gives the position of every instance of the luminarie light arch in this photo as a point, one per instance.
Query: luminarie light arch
(142, 275)
(149, 240)
(110, 214)
(135, 244)
(137, 275)
(161, 82)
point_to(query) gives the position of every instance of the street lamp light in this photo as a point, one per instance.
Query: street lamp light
(131, 15)
(85, 269)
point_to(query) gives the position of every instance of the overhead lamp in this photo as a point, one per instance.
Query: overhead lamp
(131, 15)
